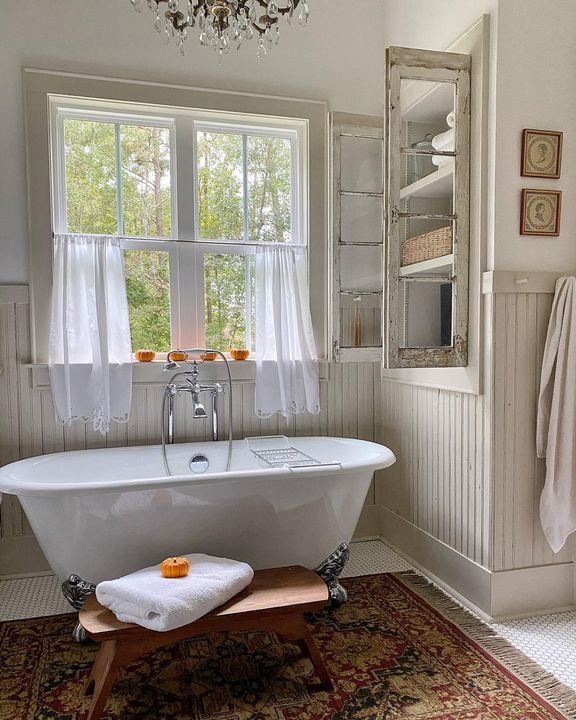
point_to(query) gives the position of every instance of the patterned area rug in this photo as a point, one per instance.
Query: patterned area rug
(390, 654)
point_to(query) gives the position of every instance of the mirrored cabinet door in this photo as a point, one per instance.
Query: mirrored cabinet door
(427, 230)
(357, 237)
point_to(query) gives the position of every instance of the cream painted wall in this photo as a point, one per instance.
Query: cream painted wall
(479, 452)
(535, 89)
(433, 25)
(436, 26)
(338, 58)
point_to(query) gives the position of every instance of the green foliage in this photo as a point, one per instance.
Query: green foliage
(221, 217)
(269, 189)
(147, 275)
(92, 197)
(145, 156)
(90, 177)
(220, 193)
(226, 278)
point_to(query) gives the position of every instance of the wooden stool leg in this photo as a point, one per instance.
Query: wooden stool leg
(319, 666)
(112, 656)
(298, 630)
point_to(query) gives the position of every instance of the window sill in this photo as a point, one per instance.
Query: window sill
(152, 373)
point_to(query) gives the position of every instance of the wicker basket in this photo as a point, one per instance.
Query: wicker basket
(427, 246)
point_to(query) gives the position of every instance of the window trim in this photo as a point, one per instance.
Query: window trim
(186, 329)
(40, 86)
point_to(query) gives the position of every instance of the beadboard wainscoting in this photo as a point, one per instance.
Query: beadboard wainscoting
(439, 482)
(462, 501)
(349, 400)
(520, 324)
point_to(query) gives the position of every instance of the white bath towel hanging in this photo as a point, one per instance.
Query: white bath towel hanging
(556, 423)
(148, 599)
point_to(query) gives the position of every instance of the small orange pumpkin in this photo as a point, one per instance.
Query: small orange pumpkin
(144, 355)
(239, 353)
(209, 356)
(174, 567)
(177, 355)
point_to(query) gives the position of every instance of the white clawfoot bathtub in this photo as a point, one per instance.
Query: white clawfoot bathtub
(103, 513)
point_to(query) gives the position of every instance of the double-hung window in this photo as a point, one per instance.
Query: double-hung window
(191, 194)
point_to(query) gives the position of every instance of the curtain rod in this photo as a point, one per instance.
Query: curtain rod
(224, 243)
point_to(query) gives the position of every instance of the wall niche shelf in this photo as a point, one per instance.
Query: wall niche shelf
(438, 184)
(427, 115)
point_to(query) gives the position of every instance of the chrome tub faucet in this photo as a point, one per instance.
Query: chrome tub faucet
(186, 381)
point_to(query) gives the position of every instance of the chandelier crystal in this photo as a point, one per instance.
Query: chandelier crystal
(223, 24)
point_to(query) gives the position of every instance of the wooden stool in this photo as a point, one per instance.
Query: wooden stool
(275, 600)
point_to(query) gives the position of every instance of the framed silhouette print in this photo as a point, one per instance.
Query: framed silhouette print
(541, 153)
(540, 213)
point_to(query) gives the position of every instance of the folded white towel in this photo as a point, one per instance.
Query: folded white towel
(146, 598)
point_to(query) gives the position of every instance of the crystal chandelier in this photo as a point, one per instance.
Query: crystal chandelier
(223, 24)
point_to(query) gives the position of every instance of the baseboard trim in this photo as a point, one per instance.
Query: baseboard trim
(533, 591)
(461, 577)
(493, 596)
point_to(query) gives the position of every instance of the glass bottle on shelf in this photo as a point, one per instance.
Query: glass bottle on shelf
(357, 339)
(421, 164)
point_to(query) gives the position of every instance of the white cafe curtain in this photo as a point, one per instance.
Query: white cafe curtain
(286, 362)
(89, 356)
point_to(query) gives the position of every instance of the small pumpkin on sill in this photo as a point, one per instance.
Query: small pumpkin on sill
(177, 355)
(144, 355)
(239, 353)
(209, 356)
(174, 567)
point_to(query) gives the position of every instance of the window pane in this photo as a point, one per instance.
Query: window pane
(145, 158)
(229, 300)
(148, 288)
(90, 159)
(269, 189)
(360, 320)
(361, 163)
(220, 183)
(426, 314)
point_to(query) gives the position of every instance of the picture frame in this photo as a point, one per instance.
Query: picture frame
(541, 153)
(540, 212)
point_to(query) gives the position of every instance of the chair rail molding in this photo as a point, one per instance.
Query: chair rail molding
(521, 281)
(14, 294)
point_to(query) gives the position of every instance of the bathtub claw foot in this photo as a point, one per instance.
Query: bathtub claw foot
(76, 590)
(330, 571)
(80, 636)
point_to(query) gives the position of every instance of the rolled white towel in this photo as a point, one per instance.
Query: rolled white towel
(441, 160)
(148, 599)
(444, 141)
